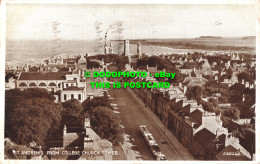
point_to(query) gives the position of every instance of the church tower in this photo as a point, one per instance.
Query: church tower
(139, 50)
(126, 48)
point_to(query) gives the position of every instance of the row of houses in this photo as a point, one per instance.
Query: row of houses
(64, 84)
(201, 132)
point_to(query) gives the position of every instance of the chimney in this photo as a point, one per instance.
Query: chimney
(180, 85)
(64, 136)
(87, 126)
(247, 85)
(87, 123)
(64, 130)
(185, 89)
(88, 142)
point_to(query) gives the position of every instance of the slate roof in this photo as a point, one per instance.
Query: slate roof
(205, 137)
(196, 115)
(177, 106)
(186, 109)
(232, 126)
(230, 153)
(43, 76)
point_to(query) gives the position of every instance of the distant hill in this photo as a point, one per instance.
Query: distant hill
(211, 37)
(249, 37)
(214, 43)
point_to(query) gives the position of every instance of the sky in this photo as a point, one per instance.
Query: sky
(77, 21)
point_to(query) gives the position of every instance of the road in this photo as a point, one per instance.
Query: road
(132, 115)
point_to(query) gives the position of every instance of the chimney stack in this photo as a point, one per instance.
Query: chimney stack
(180, 85)
(87, 123)
(88, 142)
(126, 48)
(185, 89)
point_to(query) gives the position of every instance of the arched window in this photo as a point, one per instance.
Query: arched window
(52, 85)
(32, 85)
(23, 85)
(42, 85)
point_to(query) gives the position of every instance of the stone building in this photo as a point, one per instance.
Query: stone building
(65, 84)
(85, 144)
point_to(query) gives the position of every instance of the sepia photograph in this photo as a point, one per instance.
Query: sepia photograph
(129, 81)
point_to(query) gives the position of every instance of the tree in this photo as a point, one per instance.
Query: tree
(71, 112)
(31, 120)
(121, 62)
(9, 75)
(16, 98)
(92, 64)
(231, 113)
(244, 108)
(96, 102)
(223, 99)
(106, 124)
(229, 71)
(208, 106)
(214, 102)
(225, 121)
(37, 93)
(252, 121)
(246, 76)
(194, 92)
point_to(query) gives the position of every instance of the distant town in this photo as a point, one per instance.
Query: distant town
(207, 113)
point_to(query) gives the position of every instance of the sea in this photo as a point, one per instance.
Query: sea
(34, 52)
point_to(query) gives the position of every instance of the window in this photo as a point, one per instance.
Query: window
(79, 96)
(65, 97)
(67, 85)
(72, 96)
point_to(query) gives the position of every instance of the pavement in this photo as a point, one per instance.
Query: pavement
(133, 113)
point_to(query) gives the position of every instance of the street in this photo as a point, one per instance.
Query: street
(132, 115)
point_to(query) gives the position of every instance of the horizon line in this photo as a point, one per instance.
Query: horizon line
(200, 37)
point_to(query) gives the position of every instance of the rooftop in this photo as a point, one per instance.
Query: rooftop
(43, 76)
(230, 153)
(205, 137)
